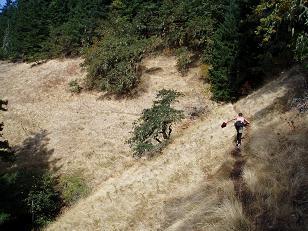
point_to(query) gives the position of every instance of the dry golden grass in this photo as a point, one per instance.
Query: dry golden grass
(279, 177)
(276, 171)
(197, 183)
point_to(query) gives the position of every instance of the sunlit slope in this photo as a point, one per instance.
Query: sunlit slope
(188, 186)
(199, 182)
(86, 132)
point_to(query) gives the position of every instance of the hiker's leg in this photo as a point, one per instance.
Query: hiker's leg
(239, 137)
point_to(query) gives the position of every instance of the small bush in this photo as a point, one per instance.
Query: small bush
(183, 59)
(155, 123)
(43, 201)
(4, 217)
(73, 187)
(204, 72)
(112, 63)
(301, 50)
(28, 200)
(74, 87)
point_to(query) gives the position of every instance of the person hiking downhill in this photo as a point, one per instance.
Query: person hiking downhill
(239, 124)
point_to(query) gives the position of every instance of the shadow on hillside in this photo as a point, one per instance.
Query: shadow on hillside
(26, 178)
(278, 179)
(33, 153)
(188, 212)
(288, 79)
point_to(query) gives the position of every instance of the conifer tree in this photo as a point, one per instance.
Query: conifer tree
(224, 54)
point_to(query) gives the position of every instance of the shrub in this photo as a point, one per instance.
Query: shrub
(73, 187)
(4, 217)
(43, 201)
(74, 87)
(28, 199)
(301, 49)
(112, 63)
(183, 59)
(155, 123)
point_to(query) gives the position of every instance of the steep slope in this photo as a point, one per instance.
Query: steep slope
(197, 183)
(84, 132)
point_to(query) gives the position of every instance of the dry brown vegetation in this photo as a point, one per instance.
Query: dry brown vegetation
(199, 182)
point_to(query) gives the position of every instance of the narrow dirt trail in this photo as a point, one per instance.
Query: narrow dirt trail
(241, 190)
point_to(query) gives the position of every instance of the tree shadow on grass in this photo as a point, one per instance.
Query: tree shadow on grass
(33, 153)
(188, 212)
(28, 197)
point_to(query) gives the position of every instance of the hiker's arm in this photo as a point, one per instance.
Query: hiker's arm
(247, 121)
(231, 120)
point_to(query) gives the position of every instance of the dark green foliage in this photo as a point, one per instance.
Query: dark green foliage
(37, 29)
(155, 123)
(76, 29)
(73, 187)
(28, 199)
(112, 63)
(42, 201)
(179, 23)
(224, 54)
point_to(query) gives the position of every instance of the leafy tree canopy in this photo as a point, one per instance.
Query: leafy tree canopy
(155, 123)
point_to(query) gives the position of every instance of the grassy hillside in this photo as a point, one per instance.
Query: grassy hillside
(199, 182)
(69, 125)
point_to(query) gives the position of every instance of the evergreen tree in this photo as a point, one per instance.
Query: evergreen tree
(225, 50)
(36, 29)
(31, 28)
(76, 29)
(7, 16)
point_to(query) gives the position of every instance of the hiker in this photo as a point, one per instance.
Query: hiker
(239, 124)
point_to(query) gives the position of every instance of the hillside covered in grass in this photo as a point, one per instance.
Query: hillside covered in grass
(198, 182)
(111, 112)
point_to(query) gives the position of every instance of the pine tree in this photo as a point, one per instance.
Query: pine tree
(7, 16)
(224, 55)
